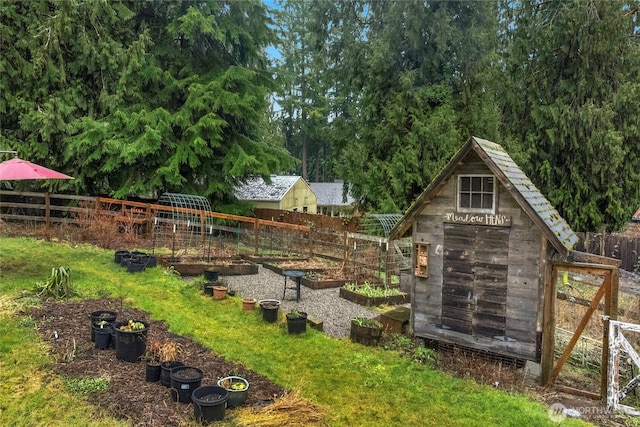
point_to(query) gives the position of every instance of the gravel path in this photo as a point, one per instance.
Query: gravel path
(326, 304)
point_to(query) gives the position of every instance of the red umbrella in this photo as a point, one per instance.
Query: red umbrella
(17, 169)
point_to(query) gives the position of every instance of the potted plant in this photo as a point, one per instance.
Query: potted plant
(131, 339)
(365, 331)
(102, 334)
(152, 358)
(237, 388)
(169, 353)
(296, 321)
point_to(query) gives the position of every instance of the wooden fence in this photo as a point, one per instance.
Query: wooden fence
(626, 249)
(186, 231)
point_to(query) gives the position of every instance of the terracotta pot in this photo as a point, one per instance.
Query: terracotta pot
(248, 304)
(219, 292)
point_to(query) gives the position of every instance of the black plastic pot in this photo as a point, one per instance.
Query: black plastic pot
(211, 275)
(136, 265)
(152, 372)
(208, 289)
(270, 310)
(96, 316)
(184, 379)
(118, 256)
(125, 259)
(165, 372)
(130, 346)
(209, 403)
(298, 324)
(103, 337)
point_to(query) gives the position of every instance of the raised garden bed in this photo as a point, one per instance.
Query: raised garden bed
(318, 282)
(402, 298)
(261, 259)
(225, 266)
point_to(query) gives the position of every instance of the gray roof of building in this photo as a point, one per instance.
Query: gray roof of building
(257, 189)
(330, 194)
(539, 209)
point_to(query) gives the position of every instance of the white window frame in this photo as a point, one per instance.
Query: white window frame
(492, 210)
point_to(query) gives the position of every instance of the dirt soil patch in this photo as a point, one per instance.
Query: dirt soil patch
(66, 327)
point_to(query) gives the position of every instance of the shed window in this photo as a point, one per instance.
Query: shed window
(476, 193)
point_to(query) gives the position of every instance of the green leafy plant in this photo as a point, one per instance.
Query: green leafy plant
(365, 322)
(424, 355)
(294, 314)
(171, 271)
(228, 384)
(87, 385)
(59, 285)
(132, 326)
(368, 290)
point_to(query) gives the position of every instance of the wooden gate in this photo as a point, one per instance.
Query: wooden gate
(608, 291)
(617, 343)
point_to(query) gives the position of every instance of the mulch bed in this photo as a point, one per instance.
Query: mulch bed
(66, 327)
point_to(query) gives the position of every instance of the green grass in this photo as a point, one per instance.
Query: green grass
(356, 385)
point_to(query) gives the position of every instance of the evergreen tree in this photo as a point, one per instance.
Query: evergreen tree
(145, 96)
(414, 78)
(572, 102)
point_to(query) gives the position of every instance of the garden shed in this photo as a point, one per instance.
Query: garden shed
(290, 193)
(484, 238)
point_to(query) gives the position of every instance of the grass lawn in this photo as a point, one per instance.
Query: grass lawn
(356, 385)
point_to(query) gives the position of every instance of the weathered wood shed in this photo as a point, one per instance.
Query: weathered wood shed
(484, 237)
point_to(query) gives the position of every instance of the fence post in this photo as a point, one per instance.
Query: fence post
(47, 208)
(256, 232)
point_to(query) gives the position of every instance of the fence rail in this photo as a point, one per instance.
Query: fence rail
(193, 233)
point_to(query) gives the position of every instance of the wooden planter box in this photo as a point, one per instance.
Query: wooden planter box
(236, 268)
(371, 301)
(365, 335)
(322, 284)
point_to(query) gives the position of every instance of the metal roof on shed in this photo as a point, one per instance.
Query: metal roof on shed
(257, 189)
(331, 194)
(539, 209)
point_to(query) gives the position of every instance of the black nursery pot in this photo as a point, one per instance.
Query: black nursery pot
(152, 372)
(184, 379)
(270, 310)
(209, 403)
(130, 346)
(103, 337)
(165, 372)
(297, 325)
(118, 256)
(96, 316)
(211, 275)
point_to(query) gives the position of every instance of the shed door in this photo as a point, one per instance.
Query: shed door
(474, 289)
